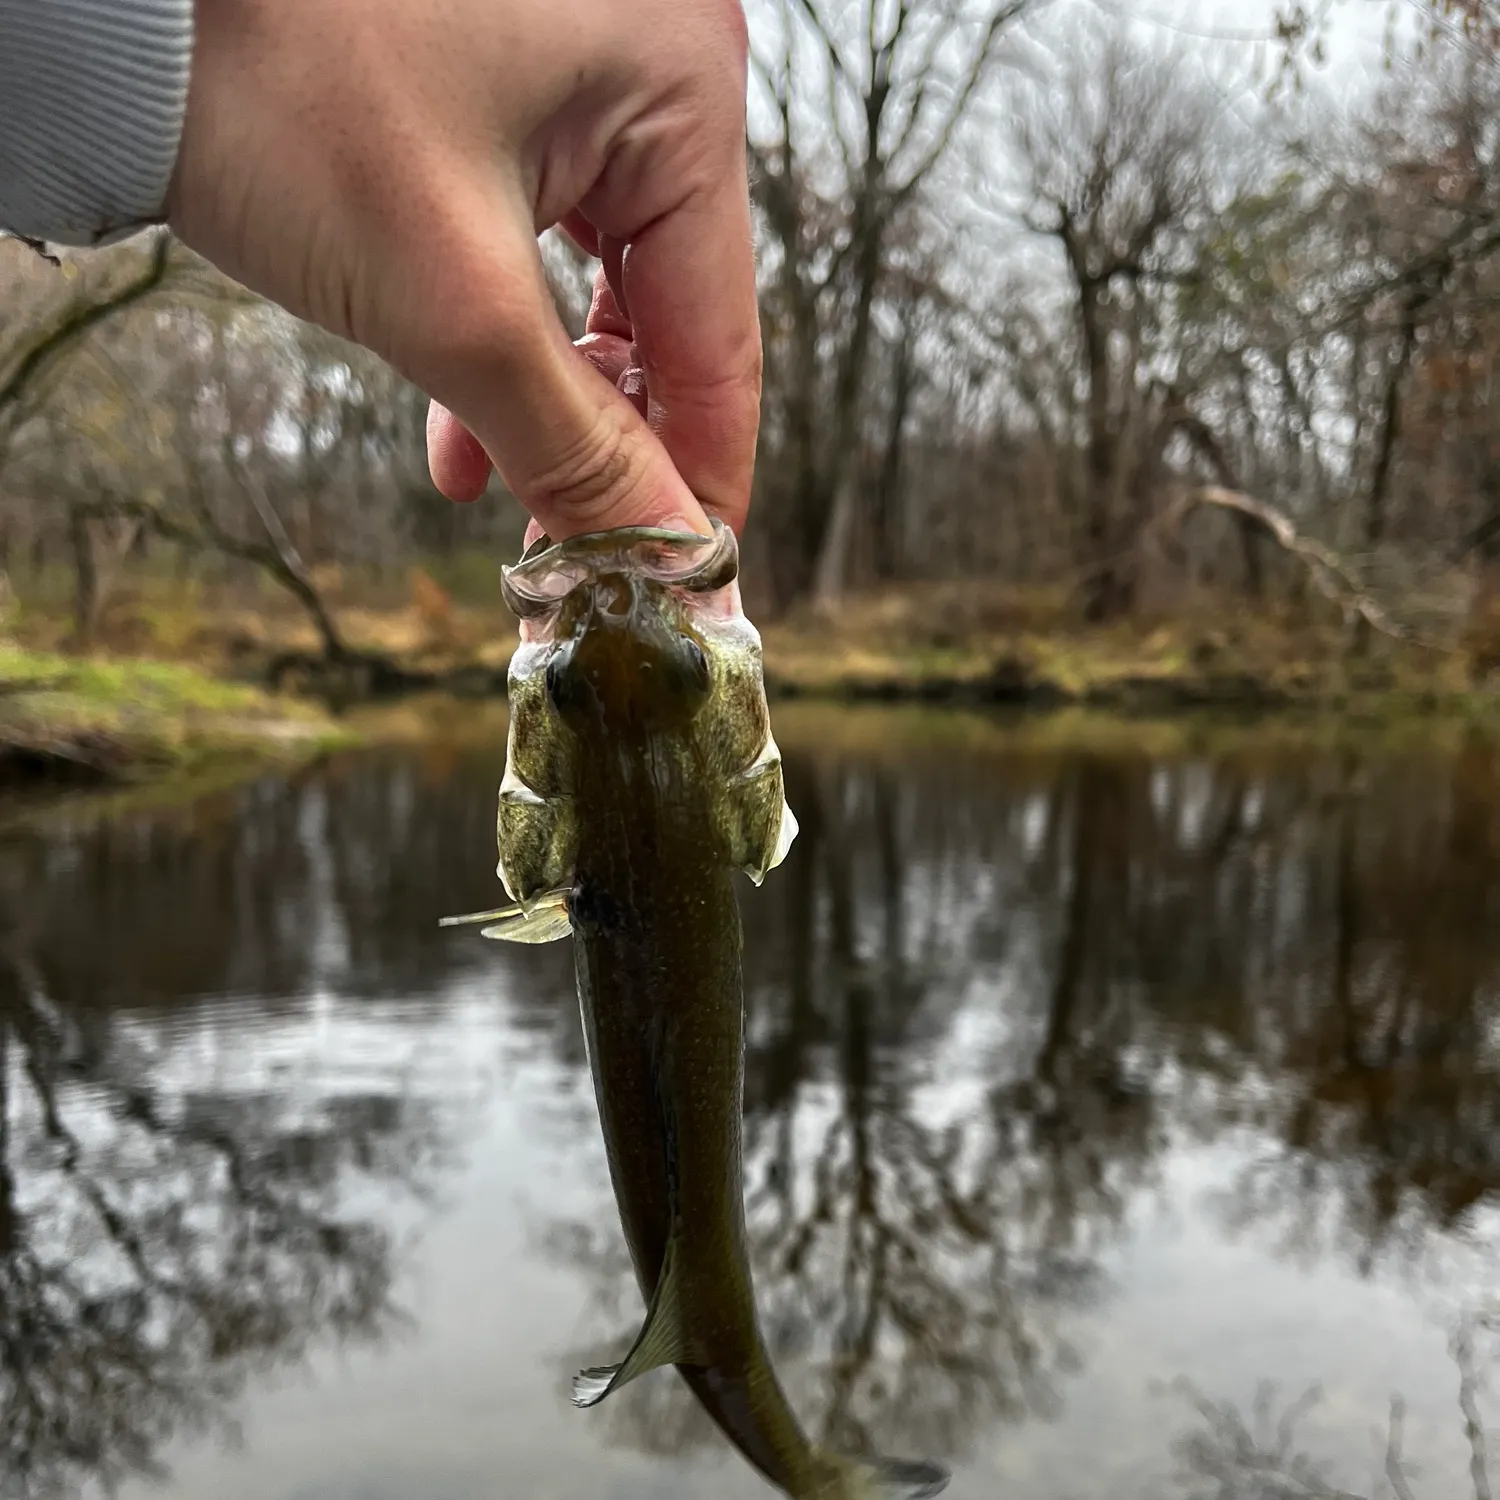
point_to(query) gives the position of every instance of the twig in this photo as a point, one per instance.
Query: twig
(77, 322)
(38, 248)
(1463, 1357)
(1394, 1472)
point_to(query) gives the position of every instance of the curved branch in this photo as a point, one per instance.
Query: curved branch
(209, 536)
(75, 324)
(1330, 572)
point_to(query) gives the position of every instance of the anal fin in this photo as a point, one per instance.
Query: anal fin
(664, 1339)
(544, 920)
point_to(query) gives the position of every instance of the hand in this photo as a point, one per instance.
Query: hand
(383, 168)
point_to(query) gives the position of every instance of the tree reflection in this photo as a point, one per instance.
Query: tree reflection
(985, 996)
(1390, 1111)
(162, 1243)
(1231, 1455)
(992, 991)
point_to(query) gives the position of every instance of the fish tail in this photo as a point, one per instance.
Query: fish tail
(891, 1479)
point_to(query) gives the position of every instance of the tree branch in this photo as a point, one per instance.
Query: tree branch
(1330, 572)
(211, 537)
(984, 55)
(80, 319)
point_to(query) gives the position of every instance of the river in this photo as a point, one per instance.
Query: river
(1122, 1121)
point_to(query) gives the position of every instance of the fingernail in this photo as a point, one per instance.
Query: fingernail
(633, 388)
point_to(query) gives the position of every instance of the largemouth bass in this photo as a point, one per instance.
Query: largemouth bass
(641, 773)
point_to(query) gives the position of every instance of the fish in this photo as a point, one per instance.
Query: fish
(641, 774)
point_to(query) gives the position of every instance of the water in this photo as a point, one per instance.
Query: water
(1089, 1092)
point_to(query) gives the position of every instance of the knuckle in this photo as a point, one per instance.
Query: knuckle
(588, 477)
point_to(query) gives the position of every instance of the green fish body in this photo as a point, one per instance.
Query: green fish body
(641, 774)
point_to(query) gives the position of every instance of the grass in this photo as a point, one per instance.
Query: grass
(444, 624)
(987, 644)
(110, 719)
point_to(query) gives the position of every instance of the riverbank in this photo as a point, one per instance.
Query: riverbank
(992, 648)
(73, 721)
(969, 645)
(183, 682)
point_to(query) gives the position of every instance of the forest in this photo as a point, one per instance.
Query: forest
(1054, 301)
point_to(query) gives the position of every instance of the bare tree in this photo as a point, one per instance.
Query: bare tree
(1116, 152)
(858, 106)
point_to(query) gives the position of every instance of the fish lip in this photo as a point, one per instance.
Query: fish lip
(619, 536)
(548, 572)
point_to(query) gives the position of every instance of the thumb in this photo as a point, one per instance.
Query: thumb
(513, 391)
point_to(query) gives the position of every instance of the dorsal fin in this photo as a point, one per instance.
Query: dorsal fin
(664, 1339)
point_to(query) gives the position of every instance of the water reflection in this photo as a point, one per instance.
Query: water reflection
(987, 995)
(171, 1225)
(1261, 1455)
(997, 998)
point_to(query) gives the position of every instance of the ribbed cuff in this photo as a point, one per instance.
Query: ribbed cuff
(92, 95)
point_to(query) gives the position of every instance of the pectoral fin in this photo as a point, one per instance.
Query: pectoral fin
(663, 1340)
(545, 922)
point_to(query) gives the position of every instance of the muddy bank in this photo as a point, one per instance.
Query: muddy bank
(977, 647)
(68, 723)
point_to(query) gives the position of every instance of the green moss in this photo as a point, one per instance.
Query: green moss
(126, 717)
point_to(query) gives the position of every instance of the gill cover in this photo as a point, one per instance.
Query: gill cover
(691, 582)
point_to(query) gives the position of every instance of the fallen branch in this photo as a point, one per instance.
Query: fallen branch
(210, 536)
(31, 754)
(1333, 576)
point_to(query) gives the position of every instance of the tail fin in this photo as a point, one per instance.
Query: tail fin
(899, 1479)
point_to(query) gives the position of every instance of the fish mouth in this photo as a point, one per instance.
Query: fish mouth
(550, 572)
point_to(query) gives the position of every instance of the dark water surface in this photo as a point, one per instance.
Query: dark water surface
(1089, 1090)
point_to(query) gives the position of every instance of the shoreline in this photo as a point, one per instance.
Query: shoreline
(226, 753)
(218, 691)
(77, 724)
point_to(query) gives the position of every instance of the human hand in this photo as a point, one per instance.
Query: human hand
(383, 168)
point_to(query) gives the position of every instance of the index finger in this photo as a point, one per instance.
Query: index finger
(688, 283)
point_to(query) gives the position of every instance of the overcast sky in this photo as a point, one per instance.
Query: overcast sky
(1355, 32)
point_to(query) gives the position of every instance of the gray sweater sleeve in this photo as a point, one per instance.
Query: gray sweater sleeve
(92, 95)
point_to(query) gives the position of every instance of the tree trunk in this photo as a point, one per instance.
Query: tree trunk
(797, 522)
(886, 517)
(1376, 518)
(831, 573)
(293, 572)
(833, 558)
(1104, 593)
(85, 578)
(1255, 577)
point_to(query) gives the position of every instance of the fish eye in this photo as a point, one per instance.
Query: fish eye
(562, 680)
(695, 665)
